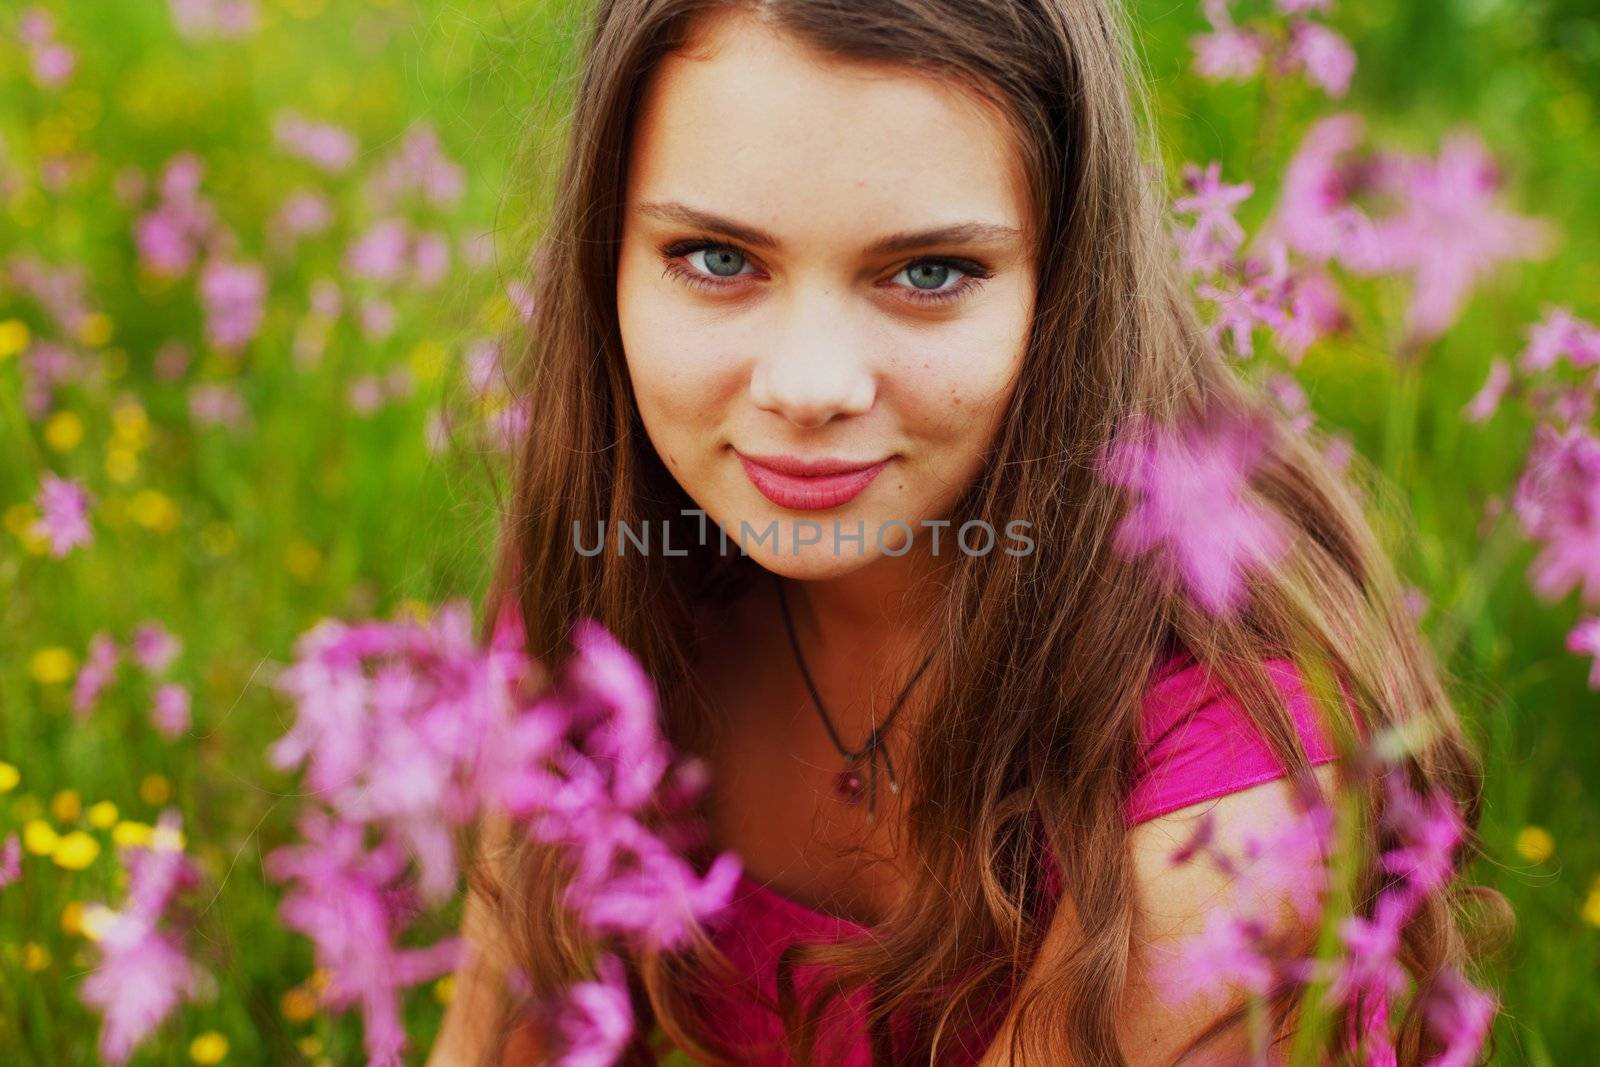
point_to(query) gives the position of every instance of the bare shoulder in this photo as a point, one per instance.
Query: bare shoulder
(1175, 901)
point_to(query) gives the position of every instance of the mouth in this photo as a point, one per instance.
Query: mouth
(809, 484)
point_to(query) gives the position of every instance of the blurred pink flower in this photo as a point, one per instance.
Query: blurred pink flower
(1190, 502)
(407, 731)
(63, 514)
(1326, 57)
(417, 167)
(10, 861)
(170, 235)
(365, 394)
(303, 213)
(1451, 233)
(142, 973)
(345, 898)
(234, 297)
(1585, 640)
(596, 1022)
(1227, 51)
(1487, 400)
(1460, 1014)
(221, 19)
(99, 666)
(1560, 334)
(1216, 234)
(327, 146)
(380, 253)
(377, 318)
(170, 713)
(1557, 500)
(52, 62)
(218, 404)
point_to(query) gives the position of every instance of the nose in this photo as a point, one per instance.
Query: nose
(815, 369)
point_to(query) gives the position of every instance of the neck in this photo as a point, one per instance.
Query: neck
(862, 635)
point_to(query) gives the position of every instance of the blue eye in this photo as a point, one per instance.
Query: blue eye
(723, 262)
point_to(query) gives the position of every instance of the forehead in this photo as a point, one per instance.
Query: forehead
(747, 123)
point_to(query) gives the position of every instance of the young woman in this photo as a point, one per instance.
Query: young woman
(883, 265)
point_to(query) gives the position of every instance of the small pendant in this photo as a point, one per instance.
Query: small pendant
(850, 785)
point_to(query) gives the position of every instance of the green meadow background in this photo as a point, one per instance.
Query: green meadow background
(239, 539)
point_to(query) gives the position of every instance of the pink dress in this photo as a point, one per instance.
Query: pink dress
(1197, 744)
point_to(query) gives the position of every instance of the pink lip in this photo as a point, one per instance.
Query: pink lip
(808, 484)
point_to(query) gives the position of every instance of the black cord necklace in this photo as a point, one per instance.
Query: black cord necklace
(849, 784)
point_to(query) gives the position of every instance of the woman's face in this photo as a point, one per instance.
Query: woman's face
(822, 262)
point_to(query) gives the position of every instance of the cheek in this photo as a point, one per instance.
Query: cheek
(668, 359)
(959, 381)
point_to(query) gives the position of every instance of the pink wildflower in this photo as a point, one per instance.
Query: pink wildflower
(142, 973)
(10, 861)
(234, 295)
(63, 514)
(1487, 400)
(99, 665)
(154, 647)
(327, 146)
(170, 715)
(1191, 500)
(1559, 335)
(1585, 639)
(596, 1022)
(1558, 501)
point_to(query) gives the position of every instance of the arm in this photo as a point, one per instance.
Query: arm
(1173, 904)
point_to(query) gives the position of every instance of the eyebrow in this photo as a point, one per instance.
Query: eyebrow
(955, 233)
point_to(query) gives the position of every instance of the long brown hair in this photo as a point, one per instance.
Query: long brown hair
(1115, 335)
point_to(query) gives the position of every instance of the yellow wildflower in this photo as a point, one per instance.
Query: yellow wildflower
(131, 834)
(51, 665)
(302, 559)
(209, 1047)
(35, 957)
(444, 990)
(130, 425)
(63, 431)
(299, 1004)
(39, 837)
(95, 329)
(103, 816)
(155, 790)
(9, 777)
(13, 337)
(1535, 844)
(75, 851)
(122, 464)
(66, 805)
(72, 918)
(1591, 907)
(19, 518)
(309, 1046)
(154, 510)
